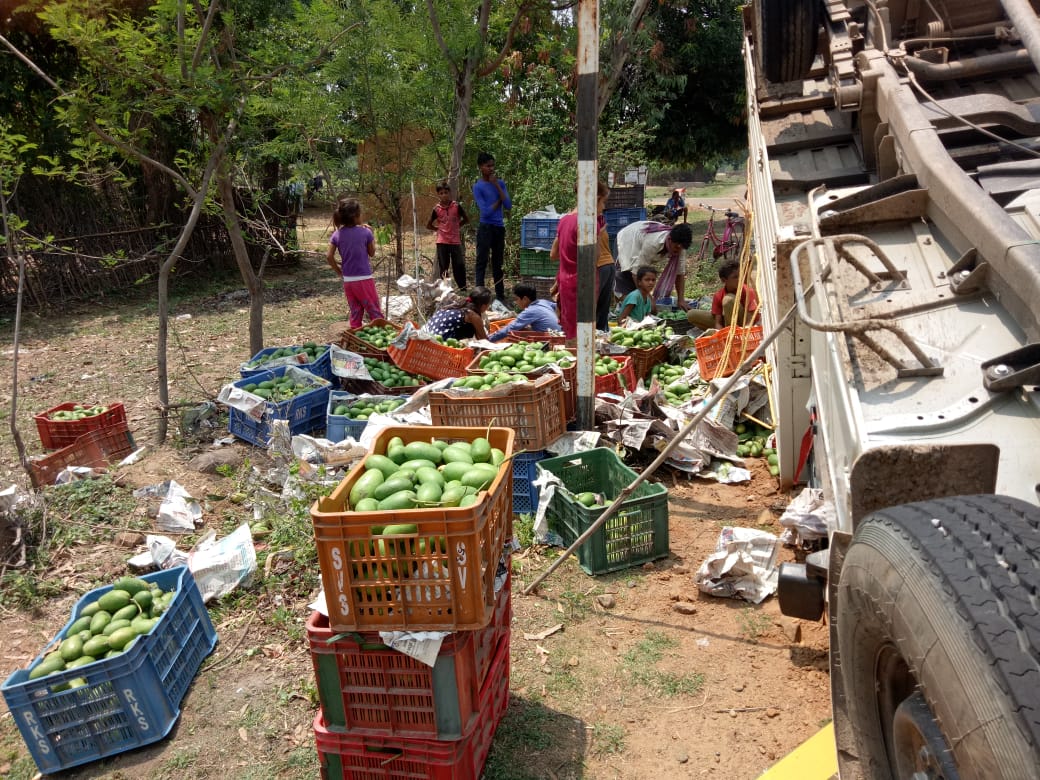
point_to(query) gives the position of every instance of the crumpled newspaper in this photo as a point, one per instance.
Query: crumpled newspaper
(807, 518)
(218, 566)
(743, 566)
(178, 511)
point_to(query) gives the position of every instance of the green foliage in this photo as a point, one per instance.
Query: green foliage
(608, 739)
(753, 623)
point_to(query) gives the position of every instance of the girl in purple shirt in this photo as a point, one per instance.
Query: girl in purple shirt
(356, 244)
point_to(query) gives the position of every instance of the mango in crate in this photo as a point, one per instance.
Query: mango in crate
(78, 412)
(389, 375)
(378, 336)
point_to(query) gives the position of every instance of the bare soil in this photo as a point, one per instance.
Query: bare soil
(637, 690)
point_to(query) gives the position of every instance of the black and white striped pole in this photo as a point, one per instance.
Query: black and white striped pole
(588, 172)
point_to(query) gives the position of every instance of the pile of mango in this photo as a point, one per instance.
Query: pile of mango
(363, 408)
(487, 381)
(106, 627)
(606, 365)
(389, 375)
(78, 412)
(379, 336)
(310, 349)
(751, 439)
(454, 343)
(524, 358)
(420, 475)
(645, 338)
(676, 390)
(279, 389)
(672, 315)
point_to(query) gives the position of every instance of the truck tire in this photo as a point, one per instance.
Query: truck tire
(787, 37)
(939, 639)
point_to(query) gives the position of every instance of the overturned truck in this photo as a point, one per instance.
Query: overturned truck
(895, 191)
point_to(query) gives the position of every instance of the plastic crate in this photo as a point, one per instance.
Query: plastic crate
(339, 426)
(612, 383)
(626, 197)
(55, 434)
(644, 359)
(95, 449)
(496, 325)
(372, 387)
(569, 389)
(129, 700)
(619, 218)
(525, 495)
(542, 284)
(446, 585)
(305, 413)
(367, 688)
(536, 262)
(349, 340)
(712, 349)
(538, 232)
(430, 358)
(552, 340)
(534, 410)
(638, 531)
(321, 367)
(349, 757)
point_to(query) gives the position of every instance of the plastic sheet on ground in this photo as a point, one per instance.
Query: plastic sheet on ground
(743, 566)
(807, 518)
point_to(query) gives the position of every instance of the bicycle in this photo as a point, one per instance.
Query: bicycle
(729, 244)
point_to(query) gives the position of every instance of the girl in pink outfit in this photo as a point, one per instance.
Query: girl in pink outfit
(356, 244)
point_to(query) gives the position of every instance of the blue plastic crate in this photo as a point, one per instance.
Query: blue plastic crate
(525, 495)
(339, 426)
(305, 413)
(321, 367)
(130, 700)
(538, 232)
(618, 218)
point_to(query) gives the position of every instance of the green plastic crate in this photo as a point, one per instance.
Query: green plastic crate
(637, 533)
(536, 262)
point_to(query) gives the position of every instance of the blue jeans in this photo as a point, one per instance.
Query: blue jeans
(491, 241)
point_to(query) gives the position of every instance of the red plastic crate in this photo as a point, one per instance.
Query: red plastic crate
(536, 335)
(430, 358)
(55, 434)
(712, 349)
(446, 583)
(366, 688)
(643, 360)
(349, 757)
(96, 449)
(611, 383)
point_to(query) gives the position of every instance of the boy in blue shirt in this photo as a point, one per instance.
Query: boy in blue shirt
(535, 313)
(492, 199)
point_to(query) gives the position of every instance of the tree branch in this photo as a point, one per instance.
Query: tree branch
(439, 37)
(507, 44)
(619, 54)
(204, 36)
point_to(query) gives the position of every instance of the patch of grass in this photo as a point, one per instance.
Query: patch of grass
(607, 739)
(175, 765)
(289, 622)
(12, 749)
(532, 736)
(563, 681)
(640, 662)
(523, 528)
(753, 623)
(577, 604)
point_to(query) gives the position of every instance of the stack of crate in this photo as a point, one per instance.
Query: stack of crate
(385, 713)
(624, 206)
(537, 233)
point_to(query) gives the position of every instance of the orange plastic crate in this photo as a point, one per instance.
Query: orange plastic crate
(710, 350)
(55, 434)
(430, 358)
(444, 583)
(536, 335)
(350, 341)
(535, 410)
(643, 360)
(367, 688)
(95, 449)
(496, 325)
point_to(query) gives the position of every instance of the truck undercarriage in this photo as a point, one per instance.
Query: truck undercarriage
(895, 188)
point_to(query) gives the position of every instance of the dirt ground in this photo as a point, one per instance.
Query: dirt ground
(667, 682)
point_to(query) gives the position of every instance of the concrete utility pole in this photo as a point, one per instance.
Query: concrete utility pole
(588, 174)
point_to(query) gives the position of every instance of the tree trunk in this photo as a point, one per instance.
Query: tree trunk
(254, 281)
(14, 249)
(464, 99)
